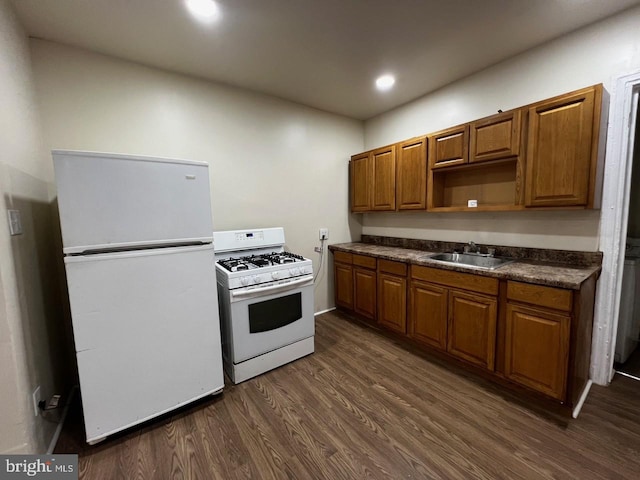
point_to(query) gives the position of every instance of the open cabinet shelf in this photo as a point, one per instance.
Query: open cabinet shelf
(494, 186)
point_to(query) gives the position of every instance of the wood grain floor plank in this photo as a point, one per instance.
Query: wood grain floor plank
(367, 406)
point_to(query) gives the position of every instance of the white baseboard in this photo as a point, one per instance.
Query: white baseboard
(56, 434)
(583, 397)
(628, 375)
(324, 311)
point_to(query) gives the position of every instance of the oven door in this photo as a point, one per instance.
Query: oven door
(266, 318)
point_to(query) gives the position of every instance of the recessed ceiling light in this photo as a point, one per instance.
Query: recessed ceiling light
(385, 82)
(205, 10)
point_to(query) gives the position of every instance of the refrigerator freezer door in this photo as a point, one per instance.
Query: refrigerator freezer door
(146, 331)
(121, 201)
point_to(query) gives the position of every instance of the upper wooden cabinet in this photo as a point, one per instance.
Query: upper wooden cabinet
(496, 137)
(562, 149)
(384, 178)
(449, 147)
(360, 169)
(543, 155)
(411, 175)
(373, 180)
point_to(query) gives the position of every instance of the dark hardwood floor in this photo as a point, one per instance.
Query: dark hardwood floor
(365, 406)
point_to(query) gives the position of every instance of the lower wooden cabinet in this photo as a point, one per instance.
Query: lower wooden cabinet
(472, 327)
(392, 295)
(392, 302)
(364, 292)
(537, 349)
(535, 336)
(343, 277)
(428, 314)
(355, 283)
(456, 312)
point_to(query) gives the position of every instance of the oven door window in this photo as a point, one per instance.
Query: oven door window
(275, 313)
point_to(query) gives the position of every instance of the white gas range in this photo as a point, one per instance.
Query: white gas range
(266, 301)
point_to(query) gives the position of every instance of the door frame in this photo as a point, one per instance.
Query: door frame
(613, 223)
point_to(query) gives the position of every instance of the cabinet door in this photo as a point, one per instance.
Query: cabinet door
(343, 280)
(559, 151)
(384, 178)
(472, 328)
(428, 314)
(496, 137)
(364, 291)
(537, 349)
(449, 147)
(360, 182)
(412, 175)
(392, 302)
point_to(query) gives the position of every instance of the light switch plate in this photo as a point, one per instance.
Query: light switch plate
(472, 203)
(15, 222)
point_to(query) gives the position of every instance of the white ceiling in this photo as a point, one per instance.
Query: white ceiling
(321, 53)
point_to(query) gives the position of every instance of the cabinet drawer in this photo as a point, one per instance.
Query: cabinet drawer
(364, 261)
(395, 268)
(550, 297)
(466, 281)
(343, 257)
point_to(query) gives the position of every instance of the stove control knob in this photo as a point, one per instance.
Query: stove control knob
(244, 281)
(275, 275)
(294, 272)
(256, 279)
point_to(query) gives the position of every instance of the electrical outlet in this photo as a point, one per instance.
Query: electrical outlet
(324, 234)
(36, 401)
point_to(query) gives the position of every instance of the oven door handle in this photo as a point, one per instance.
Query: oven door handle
(272, 288)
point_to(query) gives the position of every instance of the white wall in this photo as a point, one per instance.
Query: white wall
(272, 162)
(595, 54)
(32, 341)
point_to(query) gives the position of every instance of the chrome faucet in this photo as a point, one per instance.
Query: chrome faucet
(471, 247)
(474, 249)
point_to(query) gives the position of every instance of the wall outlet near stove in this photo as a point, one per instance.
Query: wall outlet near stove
(324, 234)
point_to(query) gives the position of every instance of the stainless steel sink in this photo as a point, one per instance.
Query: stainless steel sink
(470, 260)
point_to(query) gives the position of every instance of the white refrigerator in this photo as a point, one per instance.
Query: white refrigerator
(139, 258)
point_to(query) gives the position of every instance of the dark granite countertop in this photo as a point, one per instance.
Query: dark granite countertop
(531, 271)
